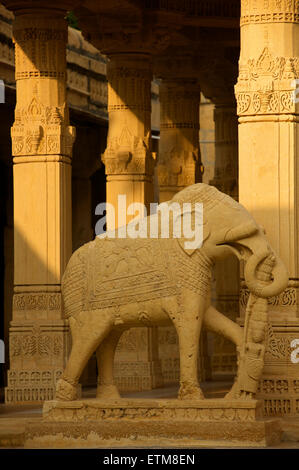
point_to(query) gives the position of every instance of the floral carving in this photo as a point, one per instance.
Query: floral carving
(43, 301)
(287, 298)
(265, 84)
(37, 343)
(278, 346)
(43, 128)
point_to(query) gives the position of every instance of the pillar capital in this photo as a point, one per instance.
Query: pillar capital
(269, 63)
(179, 155)
(128, 149)
(41, 125)
(266, 83)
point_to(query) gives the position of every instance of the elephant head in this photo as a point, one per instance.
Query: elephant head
(228, 227)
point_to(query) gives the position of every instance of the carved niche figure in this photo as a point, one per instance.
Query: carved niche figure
(111, 285)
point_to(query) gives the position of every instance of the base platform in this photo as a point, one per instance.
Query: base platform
(144, 422)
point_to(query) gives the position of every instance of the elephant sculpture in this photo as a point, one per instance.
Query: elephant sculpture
(112, 284)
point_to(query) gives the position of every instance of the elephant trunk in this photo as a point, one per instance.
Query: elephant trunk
(264, 289)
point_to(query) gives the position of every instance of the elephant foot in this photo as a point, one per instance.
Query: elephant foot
(65, 391)
(190, 392)
(236, 394)
(107, 392)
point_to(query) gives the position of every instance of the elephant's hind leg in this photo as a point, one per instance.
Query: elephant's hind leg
(87, 333)
(105, 359)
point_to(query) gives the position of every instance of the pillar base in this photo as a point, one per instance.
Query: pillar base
(38, 352)
(39, 386)
(279, 386)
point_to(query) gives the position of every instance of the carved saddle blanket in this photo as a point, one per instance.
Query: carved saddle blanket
(124, 271)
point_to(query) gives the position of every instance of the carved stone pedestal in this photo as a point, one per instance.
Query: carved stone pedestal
(144, 422)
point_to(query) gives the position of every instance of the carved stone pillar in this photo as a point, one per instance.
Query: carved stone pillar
(226, 272)
(268, 145)
(179, 154)
(41, 146)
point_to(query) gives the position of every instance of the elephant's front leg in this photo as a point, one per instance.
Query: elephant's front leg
(88, 330)
(188, 326)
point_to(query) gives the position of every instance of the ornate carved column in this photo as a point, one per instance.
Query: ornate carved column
(268, 143)
(41, 146)
(179, 154)
(226, 272)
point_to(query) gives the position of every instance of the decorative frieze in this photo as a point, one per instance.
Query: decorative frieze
(209, 8)
(37, 301)
(33, 377)
(40, 52)
(202, 410)
(265, 85)
(280, 396)
(32, 385)
(269, 11)
(28, 394)
(280, 407)
(41, 130)
(288, 298)
(36, 343)
(278, 345)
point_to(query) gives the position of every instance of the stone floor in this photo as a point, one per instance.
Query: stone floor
(13, 418)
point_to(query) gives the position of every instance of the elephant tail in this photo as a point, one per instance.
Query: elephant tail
(74, 283)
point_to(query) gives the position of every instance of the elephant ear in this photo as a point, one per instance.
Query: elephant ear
(200, 231)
